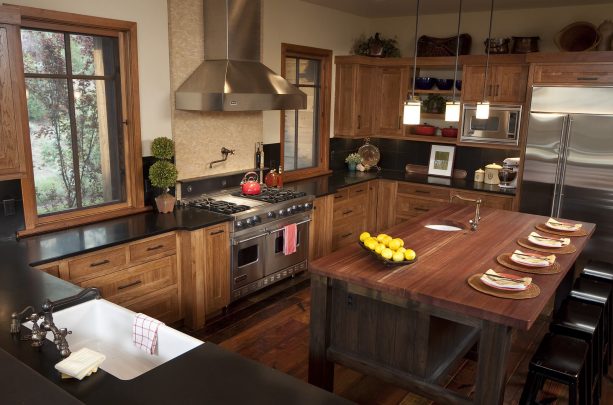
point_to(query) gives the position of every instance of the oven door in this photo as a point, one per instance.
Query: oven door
(502, 126)
(275, 259)
(248, 255)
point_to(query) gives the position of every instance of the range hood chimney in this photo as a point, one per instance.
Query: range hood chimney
(231, 78)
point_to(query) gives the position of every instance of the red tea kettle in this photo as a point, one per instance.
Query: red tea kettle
(250, 185)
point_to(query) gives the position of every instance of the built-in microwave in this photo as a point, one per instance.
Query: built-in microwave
(502, 126)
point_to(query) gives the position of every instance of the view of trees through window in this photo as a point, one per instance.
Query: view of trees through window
(73, 94)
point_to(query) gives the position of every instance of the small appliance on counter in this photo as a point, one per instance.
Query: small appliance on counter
(479, 175)
(491, 173)
(508, 173)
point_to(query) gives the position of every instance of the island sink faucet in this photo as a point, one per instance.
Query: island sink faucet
(474, 223)
(39, 332)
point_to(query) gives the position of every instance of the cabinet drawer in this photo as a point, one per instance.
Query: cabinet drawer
(423, 191)
(96, 264)
(573, 74)
(355, 207)
(358, 190)
(163, 305)
(136, 281)
(341, 195)
(345, 234)
(153, 247)
(409, 207)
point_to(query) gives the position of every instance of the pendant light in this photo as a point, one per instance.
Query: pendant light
(483, 108)
(452, 108)
(412, 107)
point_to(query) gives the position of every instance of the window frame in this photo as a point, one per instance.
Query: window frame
(325, 58)
(125, 31)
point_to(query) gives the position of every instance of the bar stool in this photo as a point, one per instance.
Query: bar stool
(562, 359)
(597, 292)
(583, 321)
(601, 271)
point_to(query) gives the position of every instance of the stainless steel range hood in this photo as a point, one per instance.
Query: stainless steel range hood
(232, 78)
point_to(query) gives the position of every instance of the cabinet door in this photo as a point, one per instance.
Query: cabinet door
(509, 83)
(320, 240)
(12, 164)
(573, 73)
(344, 99)
(217, 267)
(386, 205)
(391, 87)
(472, 83)
(365, 101)
(373, 198)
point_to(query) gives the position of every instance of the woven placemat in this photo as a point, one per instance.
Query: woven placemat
(505, 260)
(560, 250)
(532, 291)
(545, 228)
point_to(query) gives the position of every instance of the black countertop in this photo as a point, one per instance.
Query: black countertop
(325, 185)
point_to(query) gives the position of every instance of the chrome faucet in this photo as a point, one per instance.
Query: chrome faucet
(38, 333)
(474, 223)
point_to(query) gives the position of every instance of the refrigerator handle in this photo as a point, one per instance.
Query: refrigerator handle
(555, 202)
(562, 179)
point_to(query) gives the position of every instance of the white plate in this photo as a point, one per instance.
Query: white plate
(545, 243)
(564, 228)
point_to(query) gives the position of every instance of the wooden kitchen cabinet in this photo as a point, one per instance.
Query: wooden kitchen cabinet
(386, 204)
(391, 85)
(13, 111)
(143, 276)
(413, 200)
(572, 73)
(373, 201)
(350, 209)
(217, 268)
(506, 83)
(320, 228)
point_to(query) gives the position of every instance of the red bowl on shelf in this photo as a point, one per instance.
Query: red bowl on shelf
(449, 132)
(424, 129)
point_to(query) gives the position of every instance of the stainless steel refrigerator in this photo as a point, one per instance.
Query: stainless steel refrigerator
(568, 166)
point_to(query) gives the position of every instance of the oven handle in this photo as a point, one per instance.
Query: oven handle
(238, 242)
(297, 223)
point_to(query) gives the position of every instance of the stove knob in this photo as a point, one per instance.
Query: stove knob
(281, 213)
(249, 221)
(256, 219)
(289, 210)
(271, 214)
(295, 207)
(308, 206)
(239, 224)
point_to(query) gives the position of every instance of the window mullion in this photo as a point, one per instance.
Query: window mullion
(73, 123)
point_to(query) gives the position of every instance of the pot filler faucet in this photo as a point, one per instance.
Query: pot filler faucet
(474, 223)
(39, 332)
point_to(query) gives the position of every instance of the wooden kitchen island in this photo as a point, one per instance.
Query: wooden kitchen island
(410, 324)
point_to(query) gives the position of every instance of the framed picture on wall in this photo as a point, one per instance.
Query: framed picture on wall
(441, 160)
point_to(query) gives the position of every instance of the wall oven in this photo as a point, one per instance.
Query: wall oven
(501, 127)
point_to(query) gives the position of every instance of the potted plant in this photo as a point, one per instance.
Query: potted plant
(163, 173)
(352, 160)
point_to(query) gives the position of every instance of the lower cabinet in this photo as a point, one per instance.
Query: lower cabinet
(413, 200)
(349, 214)
(320, 229)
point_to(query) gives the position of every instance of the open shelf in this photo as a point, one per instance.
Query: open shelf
(436, 91)
(433, 116)
(430, 138)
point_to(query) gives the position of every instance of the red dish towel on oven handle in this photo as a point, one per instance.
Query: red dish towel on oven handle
(290, 236)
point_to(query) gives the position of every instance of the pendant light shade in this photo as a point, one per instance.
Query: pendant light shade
(452, 111)
(411, 113)
(483, 110)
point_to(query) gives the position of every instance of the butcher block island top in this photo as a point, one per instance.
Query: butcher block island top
(445, 260)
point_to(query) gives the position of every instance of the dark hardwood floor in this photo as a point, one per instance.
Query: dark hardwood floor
(273, 328)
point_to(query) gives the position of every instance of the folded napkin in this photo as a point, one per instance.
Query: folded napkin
(145, 333)
(562, 226)
(80, 364)
(532, 259)
(503, 281)
(537, 239)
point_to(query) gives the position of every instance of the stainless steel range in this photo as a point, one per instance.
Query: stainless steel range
(257, 234)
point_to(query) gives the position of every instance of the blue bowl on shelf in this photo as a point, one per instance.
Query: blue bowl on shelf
(424, 83)
(458, 84)
(444, 84)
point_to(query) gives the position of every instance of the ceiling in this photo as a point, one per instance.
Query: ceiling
(395, 8)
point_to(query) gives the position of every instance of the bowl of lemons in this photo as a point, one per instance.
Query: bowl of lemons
(389, 250)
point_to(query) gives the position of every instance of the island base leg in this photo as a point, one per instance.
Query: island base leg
(494, 348)
(321, 370)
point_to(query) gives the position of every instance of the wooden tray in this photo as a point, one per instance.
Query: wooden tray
(545, 228)
(389, 263)
(505, 260)
(560, 250)
(532, 291)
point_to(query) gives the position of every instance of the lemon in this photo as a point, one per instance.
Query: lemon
(371, 244)
(401, 242)
(387, 253)
(409, 254)
(379, 248)
(370, 239)
(395, 244)
(401, 250)
(387, 240)
(364, 236)
(380, 237)
(398, 257)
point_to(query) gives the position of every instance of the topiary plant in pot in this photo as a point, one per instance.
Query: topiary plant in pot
(163, 173)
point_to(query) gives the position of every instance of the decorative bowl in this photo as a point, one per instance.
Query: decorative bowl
(424, 83)
(444, 84)
(385, 261)
(458, 84)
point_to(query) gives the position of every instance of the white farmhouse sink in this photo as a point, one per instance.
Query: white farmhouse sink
(445, 228)
(107, 328)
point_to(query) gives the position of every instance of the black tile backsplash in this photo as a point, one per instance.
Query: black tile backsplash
(11, 209)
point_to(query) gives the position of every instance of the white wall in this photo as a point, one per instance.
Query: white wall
(543, 22)
(151, 17)
(301, 23)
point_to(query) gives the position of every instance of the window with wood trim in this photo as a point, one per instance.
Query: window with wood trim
(305, 133)
(81, 88)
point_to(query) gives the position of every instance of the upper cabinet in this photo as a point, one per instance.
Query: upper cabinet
(368, 98)
(12, 98)
(573, 73)
(506, 83)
